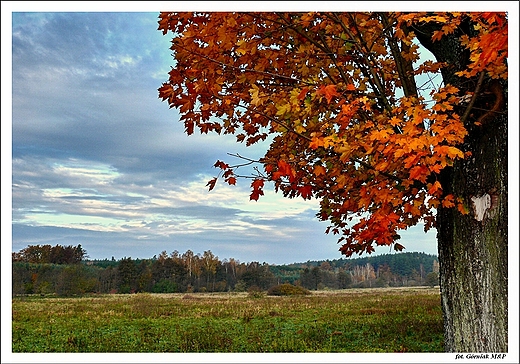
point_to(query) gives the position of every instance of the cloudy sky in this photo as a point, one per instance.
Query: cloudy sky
(98, 160)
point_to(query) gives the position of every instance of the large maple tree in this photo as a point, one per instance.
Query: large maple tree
(385, 139)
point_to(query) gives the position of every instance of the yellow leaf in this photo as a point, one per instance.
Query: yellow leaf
(454, 153)
(283, 109)
(255, 98)
(241, 50)
(299, 128)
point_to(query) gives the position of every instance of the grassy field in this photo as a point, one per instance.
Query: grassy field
(369, 320)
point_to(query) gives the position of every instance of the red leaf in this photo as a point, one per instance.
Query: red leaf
(257, 184)
(256, 194)
(398, 247)
(221, 165)
(211, 183)
(305, 191)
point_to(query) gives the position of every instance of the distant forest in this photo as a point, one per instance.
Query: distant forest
(65, 270)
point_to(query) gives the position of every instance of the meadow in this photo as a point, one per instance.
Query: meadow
(357, 321)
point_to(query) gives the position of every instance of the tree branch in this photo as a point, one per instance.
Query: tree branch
(403, 67)
(473, 99)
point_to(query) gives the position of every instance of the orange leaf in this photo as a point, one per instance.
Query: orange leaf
(316, 143)
(437, 35)
(435, 187)
(350, 87)
(284, 168)
(394, 121)
(302, 93)
(436, 168)
(319, 170)
(328, 91)
(419, 173)
(448, 201)
(462, 209)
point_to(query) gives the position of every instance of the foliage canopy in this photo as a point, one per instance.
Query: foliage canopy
(356, 118)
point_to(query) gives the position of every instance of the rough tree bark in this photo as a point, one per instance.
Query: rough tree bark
(473, 248)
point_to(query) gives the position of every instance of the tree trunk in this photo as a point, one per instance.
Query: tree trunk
(473, 248)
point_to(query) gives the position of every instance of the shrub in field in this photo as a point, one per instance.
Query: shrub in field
(255, 292)
(287, 289)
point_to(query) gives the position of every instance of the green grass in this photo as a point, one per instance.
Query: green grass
(340, 321)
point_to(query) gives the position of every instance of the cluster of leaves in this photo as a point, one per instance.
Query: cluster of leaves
(338, 94)
(488, 47)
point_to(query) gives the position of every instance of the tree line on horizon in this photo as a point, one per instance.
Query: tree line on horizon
(37, 272)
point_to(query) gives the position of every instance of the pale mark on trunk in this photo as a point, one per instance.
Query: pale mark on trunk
(481, 205)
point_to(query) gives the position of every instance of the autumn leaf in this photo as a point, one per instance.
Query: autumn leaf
(436, 186)
(316, 143)
(419, 173)
(319, 170)
(255, 195)
(231, 180)
(303, 93)
(329, 91)
(351, 87)
(165, 91)
(463, 209)
(448, 201)
(255, 98)
(398, 247)
(211, 183)
(305, 191)
(221, 165)
(257, 186)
